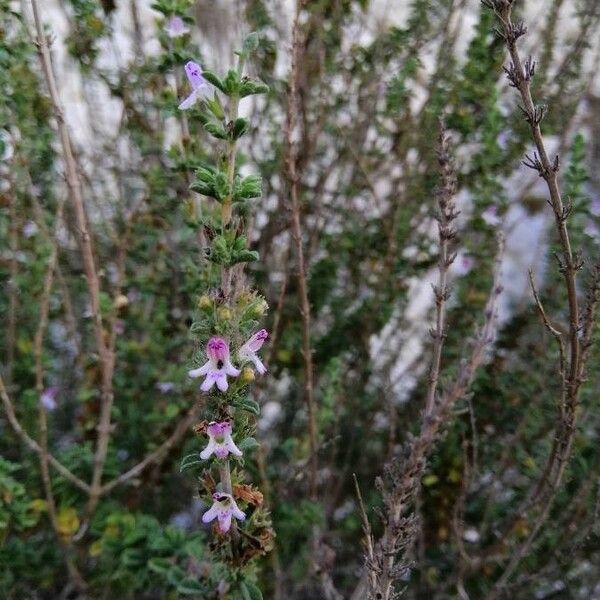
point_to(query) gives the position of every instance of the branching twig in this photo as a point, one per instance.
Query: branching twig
(520, 75)
(403, 476)
(32, 444)
(106, 357)
(159, 454)
(447, 233)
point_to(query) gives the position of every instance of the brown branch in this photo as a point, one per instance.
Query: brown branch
(157, 455)
(13, 240)
(520, 75)
(106, 357)
(39, 372)
(32, 444)
(368, 535)
(405, 474)
(291, 161)
(447, 233)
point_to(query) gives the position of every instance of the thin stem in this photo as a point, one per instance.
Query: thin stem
(296, 228)
(106, 357)
(32, 444)
(159, 454)
(11, 327)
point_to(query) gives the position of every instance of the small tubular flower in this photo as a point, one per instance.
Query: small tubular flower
(199, 84)
(247, 353)
(490, 216)
(220, 441)
(223, 508)
(217, 367)
(176, 27)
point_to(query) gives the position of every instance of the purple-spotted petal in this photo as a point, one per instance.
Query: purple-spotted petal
(194, 74)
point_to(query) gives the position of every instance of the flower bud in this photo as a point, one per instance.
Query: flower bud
(224, 314)
(205, 303)
(121, 301)
(247, 375)
(260, 308)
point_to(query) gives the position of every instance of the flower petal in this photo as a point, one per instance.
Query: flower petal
(224, 521)
(189, 101)
(210, 514)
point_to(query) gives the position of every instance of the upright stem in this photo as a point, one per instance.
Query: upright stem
(294, 180)
(226, 214)
(446, 217)
(11, 328)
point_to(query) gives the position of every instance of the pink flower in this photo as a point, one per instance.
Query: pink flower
(592, 230)
(220, 441)
(176, 27)
(217, 367)
(48, 397)
(223, 508)
(247, 353)
(490, 216)
(199, 84)
(463, 263)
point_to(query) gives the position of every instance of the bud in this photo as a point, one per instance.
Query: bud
(224, 314)
(247, 375)
(205, 303)
(121, 301)
(260, 308)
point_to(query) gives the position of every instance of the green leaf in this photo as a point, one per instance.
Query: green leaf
(212, 78)
(245, 256)
(190, 586)
(189, 461)
(239, 128)
(231, 83)
(251, 43)
(248, 443)
(216, 108)
(251, 406)
(216, 130)
(249, 87)
(175, 575)
(159, 565)
(248, 187)
(250, 591)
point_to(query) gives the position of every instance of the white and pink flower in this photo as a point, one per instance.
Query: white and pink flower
(490, 216)
(223, 508)
(220, 442)
(176, 27)
(217, 367)
(199, 85)
(247, 353)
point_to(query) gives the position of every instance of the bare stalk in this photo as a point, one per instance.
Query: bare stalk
(106, 357)
(39, 374)
(520, 75)
(447, 233)
(404, 475)
(11, 326)
(291, 160)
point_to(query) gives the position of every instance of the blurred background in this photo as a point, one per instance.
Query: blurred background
(376, 76)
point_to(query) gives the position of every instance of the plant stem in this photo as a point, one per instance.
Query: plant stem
(105, 355)
(294, 180)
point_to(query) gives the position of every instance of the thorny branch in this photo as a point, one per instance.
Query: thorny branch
(402, 476)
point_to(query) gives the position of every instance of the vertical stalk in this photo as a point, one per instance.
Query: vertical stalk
(294, 180)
